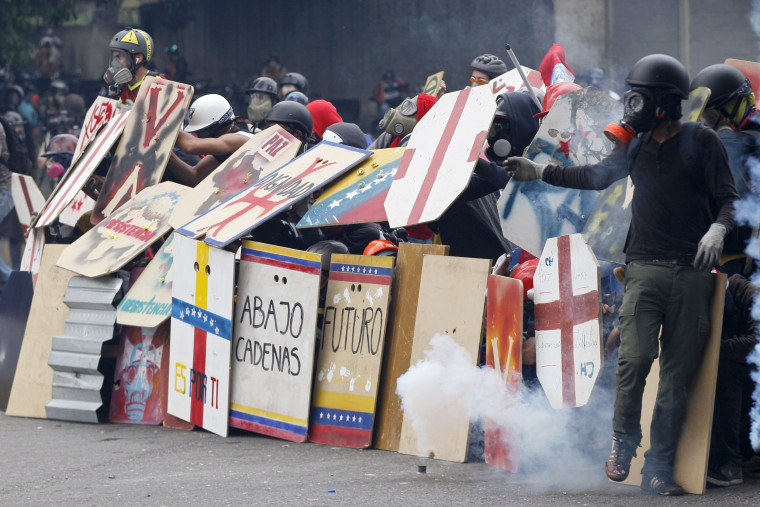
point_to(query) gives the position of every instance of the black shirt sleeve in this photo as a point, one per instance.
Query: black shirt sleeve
(589, 177)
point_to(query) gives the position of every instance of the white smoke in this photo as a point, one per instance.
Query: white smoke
(565, 449)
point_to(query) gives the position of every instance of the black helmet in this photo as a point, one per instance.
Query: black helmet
(264, 85)
(660, 71)
(725, 82)
(297, 80)
(133, 41)
(291, 112)
(298, 97)
(490, 64)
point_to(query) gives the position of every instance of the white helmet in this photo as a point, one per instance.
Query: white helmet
(209, 111)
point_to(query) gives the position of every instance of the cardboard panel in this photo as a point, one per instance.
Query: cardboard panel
(511, 81)
(149, 300)
(169, 420)
(261, 155)
(112, 244)
(399, 339)
(144, 149)
(433, 83)
(440, 157)
(82, 169)
(571, 134)
(504, 354)
(101, 110)
(201, 328)
(271, 194)
(33, 381)
(30, 261)
(27, 198)
(358, 196)
(81, 204)
(690, 466)
(351, 350)
(15, 303)
(273, 340)
(452, 302)
(135, 397)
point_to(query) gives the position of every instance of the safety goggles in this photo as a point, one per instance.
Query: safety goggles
(478, 80)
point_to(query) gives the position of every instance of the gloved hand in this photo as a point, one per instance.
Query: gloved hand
(710, 247)
(522, 169)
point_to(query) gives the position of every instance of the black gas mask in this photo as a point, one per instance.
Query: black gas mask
(639, 115)
(498, 137)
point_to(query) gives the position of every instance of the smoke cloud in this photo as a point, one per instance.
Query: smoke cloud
(566, 448)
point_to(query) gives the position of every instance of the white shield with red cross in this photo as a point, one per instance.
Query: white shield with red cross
(568, 321)
(440, 157)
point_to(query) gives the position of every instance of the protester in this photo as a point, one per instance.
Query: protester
(293, 117)
(485, 68)
(176, 67)
(681, 212)
(272, 68)
(389, 93)
(324, 114)
(293, 81)
(262, 95)
(131, 51)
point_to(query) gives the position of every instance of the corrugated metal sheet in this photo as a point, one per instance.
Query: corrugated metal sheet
(76, 354)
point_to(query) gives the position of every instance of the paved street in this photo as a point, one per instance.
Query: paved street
(51, 462)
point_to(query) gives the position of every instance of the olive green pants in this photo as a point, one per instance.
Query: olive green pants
(676, 298)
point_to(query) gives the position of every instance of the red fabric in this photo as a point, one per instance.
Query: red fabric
(554, 56)
(324, 114)
(525, 272)
(424, 103)
(419, 231)
(554, 91)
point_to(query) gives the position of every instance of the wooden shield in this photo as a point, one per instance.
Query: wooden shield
(273, 340)
(511, 81)
(358, 196)
(261, 155)
(27, 198)
(116, 241)
(351, 350)
(440, 157)
(144, 149)
(81, 171)
(571, 134)
(33, 381)
(504, 354)
(135, 397)
(100, 112)
(149, 300)
(568, 308)
(271, 194)
(452, 292)
(398, 341)
(30, 261)
(201, 328)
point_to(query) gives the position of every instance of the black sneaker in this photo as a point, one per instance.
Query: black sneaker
(728, 474)
(660, 484)
(619, 463)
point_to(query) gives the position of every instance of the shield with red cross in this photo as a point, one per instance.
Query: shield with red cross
(568, 321)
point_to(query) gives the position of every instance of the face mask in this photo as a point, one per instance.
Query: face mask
(400, 121)
(258, 107)
(639, 115)
(117, 73)
(285, 89)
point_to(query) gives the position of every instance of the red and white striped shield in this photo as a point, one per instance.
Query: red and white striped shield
(440, 157)
(568, 317)
(27, 198)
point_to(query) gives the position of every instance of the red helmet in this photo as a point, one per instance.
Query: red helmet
(554, 91)
(380, 247)
(524, 272)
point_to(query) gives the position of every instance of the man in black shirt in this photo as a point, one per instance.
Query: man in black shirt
(682, 209)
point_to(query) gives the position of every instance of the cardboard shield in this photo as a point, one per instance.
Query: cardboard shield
(571, 134)
(752, 71)
(30, 261)
(568, 321)
(351, 350)
(273, 345)
(504, 354)
(433, 83)
(143, 152)
(201, 328)
(440, 157)
(261, 155)
(271, 194)
(149, 300)
(113, 243)
(81, 171)
(511, 81)
(27, 198)
(358, 196)
(81, 204)
(100, 112)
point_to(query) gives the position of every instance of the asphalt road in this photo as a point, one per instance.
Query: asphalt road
(47, 462)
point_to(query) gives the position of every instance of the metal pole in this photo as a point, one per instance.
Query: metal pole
(522, 75)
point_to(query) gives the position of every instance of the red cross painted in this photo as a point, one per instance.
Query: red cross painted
(568, 311)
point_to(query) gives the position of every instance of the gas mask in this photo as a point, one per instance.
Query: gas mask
(258, 106)
(499, 146)
(287, 88)
(401, 120)
(639, 115)
(116, 72)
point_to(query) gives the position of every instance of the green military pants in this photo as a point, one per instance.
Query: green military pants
(676, 297)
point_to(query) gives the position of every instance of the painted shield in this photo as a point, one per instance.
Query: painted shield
(511, 81)
(27, 198)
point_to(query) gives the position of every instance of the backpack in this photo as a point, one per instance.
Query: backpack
(19, 161)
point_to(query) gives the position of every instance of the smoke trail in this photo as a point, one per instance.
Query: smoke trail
(565, 448)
